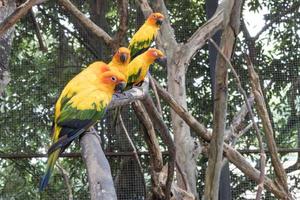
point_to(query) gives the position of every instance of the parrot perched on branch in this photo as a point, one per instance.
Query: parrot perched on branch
(146, 34)
(121, 60)
(139, 67)
(137, 70)
(81, 104)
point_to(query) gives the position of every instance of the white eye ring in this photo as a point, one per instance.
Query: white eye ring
(155, 54)
(113, 78)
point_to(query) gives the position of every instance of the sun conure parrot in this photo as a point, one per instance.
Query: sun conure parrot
(139, 67)
(81, 104)
(120, 60)
(146, 34)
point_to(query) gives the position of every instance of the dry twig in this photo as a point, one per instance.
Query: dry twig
(158, 105)
(134, 151)
(269, 133)
(66, 175)
(39, 36)
(123, 18)
(161, 127)
(156, 161)
(20, 12)
(67, 5)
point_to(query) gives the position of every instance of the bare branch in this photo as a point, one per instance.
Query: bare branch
(129, 96)
(167, 139)
(89, 24)
(156, 161)
(134, 151)
(207, 30)
(123, 18)
(215, 154)
(66, 179)
(233, 155)
(85, 44)
(258, 135)
(183, 113)
(263, 113)
(158, 105)
(39, 36)
(20, 12)
(99, 175)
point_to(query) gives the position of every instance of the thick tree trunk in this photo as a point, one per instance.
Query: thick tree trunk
(5, 45)
(184, 143)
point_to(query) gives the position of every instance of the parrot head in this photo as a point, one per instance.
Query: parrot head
(156, 55)
(112, 79)
(122, 56)
(155, 19)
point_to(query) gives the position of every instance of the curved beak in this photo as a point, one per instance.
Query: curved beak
(159, 22)
(123, 57)
(120, 87)
(162, 61)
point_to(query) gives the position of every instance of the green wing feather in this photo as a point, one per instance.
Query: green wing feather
(132, 79)
(140, 47)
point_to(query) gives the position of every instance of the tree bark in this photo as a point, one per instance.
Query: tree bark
(99, 175)
(5, 45)
(214, 167)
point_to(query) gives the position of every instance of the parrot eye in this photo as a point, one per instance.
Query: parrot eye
(113, 78)
(155, 54)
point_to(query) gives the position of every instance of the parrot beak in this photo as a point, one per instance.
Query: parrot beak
(120, 87)
(162, 61)
(159, 22)
(123, 58)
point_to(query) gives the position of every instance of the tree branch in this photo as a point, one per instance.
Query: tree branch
(123, 18)
(99, 175)
(86, 22)
(39, 36)
(233, 155)
(134, 151)
(129, 96)
(263, 114)
(65, 175)
(85, 44)
(156, 161)
(167, 139)
(20, 12)
(158, 105)
(207, 30)
(258, 135)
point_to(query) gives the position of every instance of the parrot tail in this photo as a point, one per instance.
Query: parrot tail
(49, 169)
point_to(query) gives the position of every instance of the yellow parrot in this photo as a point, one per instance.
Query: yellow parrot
(121, 60)
(146, 34)
(139, 67)
(81, 104)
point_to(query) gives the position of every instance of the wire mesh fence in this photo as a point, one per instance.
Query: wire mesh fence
(37, 78)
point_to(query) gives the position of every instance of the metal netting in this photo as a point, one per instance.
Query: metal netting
(37, 78)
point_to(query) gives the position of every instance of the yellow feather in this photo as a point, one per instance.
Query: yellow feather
(142, 62)
(146, 32)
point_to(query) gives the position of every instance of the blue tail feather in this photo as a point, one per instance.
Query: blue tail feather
(44, 181)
